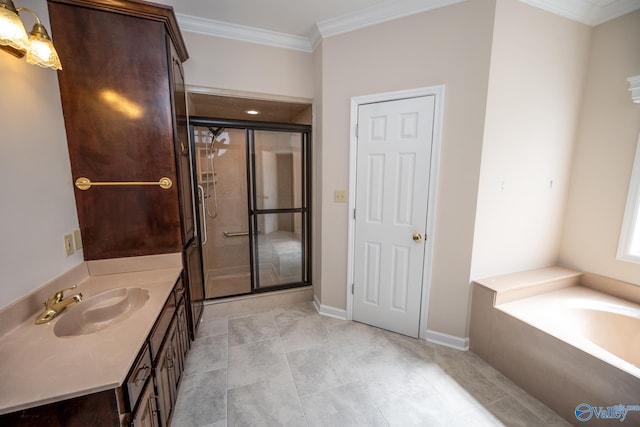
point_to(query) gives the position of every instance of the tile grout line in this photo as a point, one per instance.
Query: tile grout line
(295, 386)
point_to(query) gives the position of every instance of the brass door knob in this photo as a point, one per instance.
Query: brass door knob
(417, 237)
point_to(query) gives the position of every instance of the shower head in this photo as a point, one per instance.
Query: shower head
(215, 132)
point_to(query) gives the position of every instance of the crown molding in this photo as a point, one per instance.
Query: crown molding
(584, 11)
(378, 14)
(243, 33)
(577, 10)
(383, 12)
(315, 38)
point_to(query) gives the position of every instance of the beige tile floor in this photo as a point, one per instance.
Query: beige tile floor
(289, 366)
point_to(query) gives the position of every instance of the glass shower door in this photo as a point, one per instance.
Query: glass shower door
(221, 158)
(253, 190)
(279, 214)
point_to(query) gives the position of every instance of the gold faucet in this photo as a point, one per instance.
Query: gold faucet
(56, 304)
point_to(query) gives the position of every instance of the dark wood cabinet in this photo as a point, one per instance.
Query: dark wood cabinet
(96, 409)
(167, 342)
(124, 103)
(182, 147)
(165, 377)
(193, 276)
(146, 414)
(169, 363)
(123, 100)
(183, 334)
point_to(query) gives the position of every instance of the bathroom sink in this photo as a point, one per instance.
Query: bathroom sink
(100, 311)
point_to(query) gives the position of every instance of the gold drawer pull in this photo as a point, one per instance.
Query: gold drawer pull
(85, 183)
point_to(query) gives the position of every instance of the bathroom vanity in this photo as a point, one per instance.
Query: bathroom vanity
(121, 368)
(116, 357)
(125, 113)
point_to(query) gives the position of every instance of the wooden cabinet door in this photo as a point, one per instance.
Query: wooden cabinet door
(146, 415)
(182, 148)
(175, 363)
(120, 119)
(183, 334)
(165, 378)
(195, 284)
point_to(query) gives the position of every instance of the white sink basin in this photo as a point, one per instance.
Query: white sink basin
(100, 311)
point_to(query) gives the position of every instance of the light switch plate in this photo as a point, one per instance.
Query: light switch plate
(68, 244)
(77, 240)
(340, 196)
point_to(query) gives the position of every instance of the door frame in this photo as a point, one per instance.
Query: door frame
(356, 102)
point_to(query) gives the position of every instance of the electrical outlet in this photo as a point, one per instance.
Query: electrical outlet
(340, 196)
(77, 240)
(68, 244)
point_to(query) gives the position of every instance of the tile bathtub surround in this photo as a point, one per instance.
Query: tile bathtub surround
(290, 366)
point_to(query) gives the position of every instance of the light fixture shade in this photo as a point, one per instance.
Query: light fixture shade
(13, 37)
(41, 51)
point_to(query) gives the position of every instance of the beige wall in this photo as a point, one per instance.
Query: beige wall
(220, 63)
(603, 158)
(38, 206)
(538, 69)
(316, 184)
(449, 46)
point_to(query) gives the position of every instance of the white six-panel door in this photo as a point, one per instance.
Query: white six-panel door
(393, 158)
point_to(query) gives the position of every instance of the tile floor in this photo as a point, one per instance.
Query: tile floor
(289, 366)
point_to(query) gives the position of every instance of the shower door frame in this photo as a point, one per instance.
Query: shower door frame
(305, 210)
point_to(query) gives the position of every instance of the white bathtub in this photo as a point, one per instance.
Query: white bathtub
(599, 324)
(566, 343)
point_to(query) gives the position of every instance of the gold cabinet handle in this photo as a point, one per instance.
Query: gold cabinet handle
(85, 183)
(417, 237)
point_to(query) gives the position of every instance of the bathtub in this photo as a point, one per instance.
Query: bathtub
(575, 348)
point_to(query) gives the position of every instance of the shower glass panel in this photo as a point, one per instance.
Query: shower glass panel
(278, 165)
(279, 251)
(279, 214)
(220, 160)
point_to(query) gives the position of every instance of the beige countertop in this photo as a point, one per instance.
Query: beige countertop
(37, 367)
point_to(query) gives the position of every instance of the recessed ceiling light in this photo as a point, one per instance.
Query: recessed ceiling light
(252, 112)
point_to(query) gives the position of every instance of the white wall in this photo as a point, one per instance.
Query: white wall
(38, 205)
(607, 138)
(449, 46)
(538, 70)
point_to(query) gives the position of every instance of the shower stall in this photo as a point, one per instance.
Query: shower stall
(253, 186)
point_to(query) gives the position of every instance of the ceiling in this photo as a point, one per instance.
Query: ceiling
(235, 108)
(301, 24)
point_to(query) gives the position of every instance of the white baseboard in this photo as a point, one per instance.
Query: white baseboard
(329, 311)
(447, 340)
(430, 336)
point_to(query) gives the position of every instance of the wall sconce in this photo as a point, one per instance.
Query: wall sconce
(13, 38)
